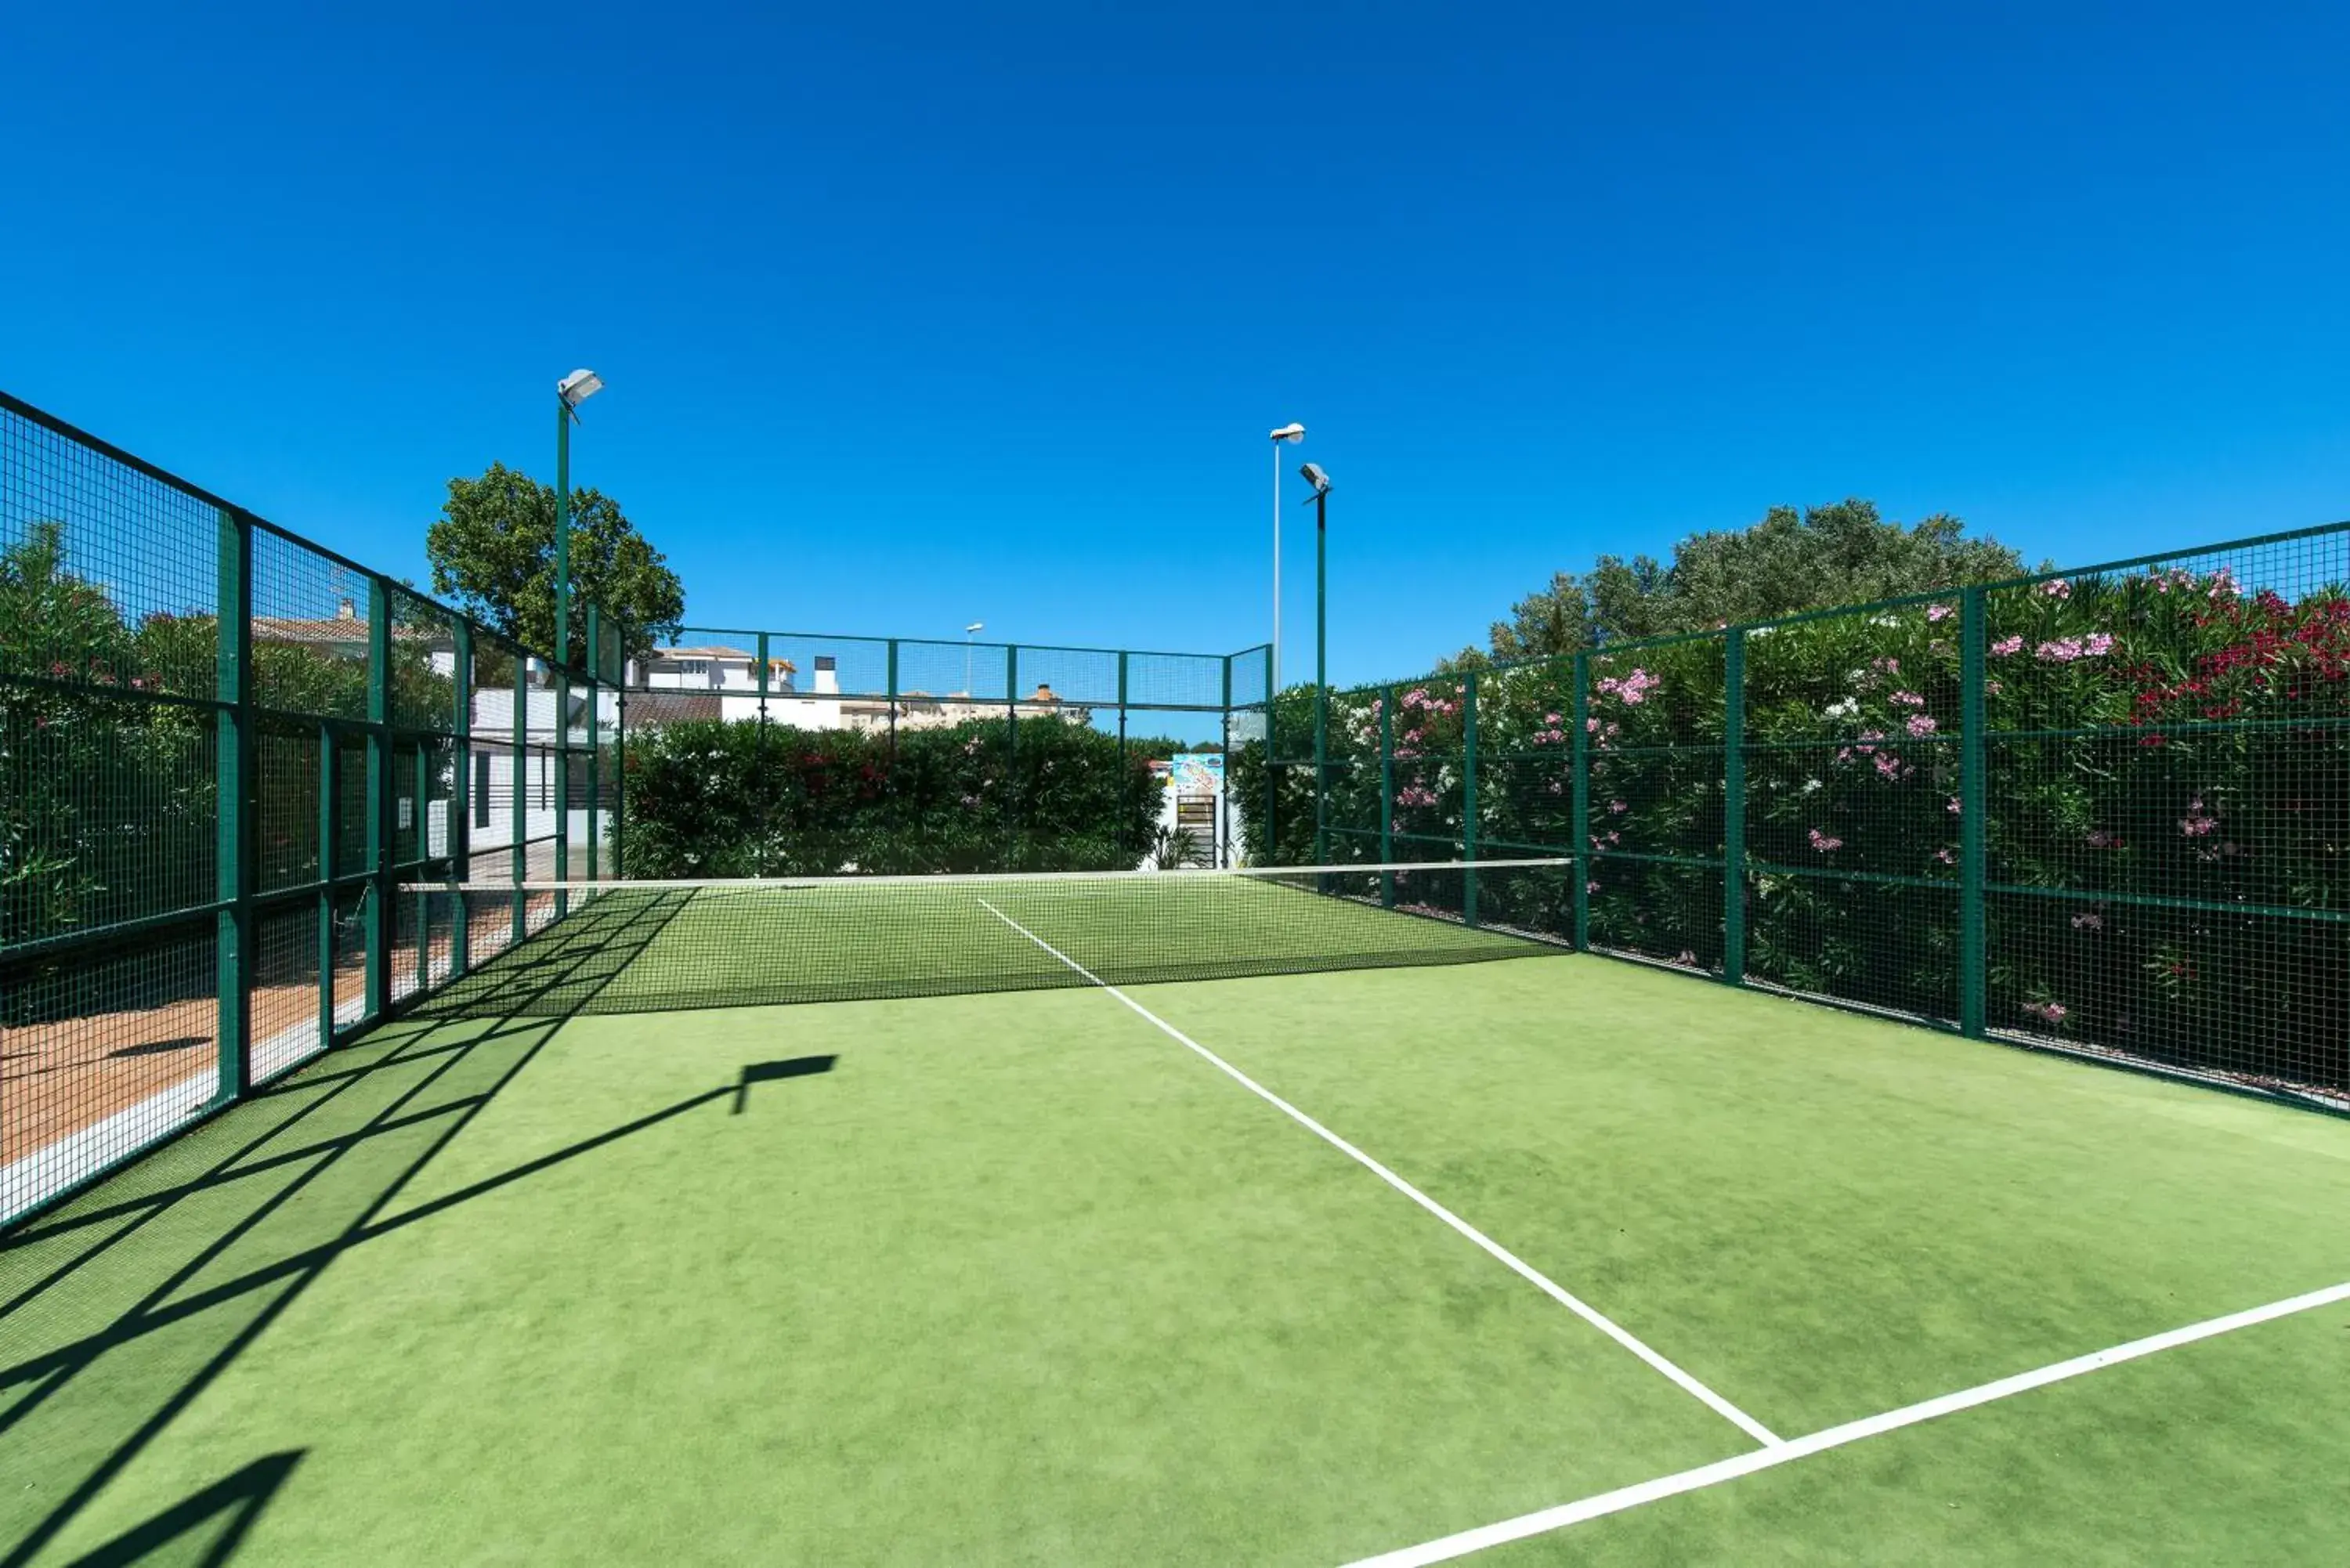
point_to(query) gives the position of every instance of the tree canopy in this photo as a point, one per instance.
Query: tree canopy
(1790, 561)
(493, 549)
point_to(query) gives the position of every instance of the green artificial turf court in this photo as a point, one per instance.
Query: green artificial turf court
(1075, 1276)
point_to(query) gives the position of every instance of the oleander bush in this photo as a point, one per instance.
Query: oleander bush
(2166, 804)
(714, 798)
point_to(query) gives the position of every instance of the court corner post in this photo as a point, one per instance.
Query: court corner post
(1973, 847)
(235, 802)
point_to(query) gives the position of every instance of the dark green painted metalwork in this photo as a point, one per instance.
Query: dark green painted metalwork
(595, 729)
(461, 805)
(1322, 677)
(1469, 794)
(519, 798)
(1387, 792)
(330, 781)
(1974, 960)
(1734, 809)
(1579, 810)
(379, 787)
(233, 747)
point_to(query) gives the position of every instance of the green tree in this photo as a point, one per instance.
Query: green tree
(1789, 561)
(493, 550)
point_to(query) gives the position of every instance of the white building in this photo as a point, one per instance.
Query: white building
(728, 678)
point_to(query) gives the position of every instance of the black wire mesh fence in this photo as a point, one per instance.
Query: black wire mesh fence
(2102, 810)
(221, 748)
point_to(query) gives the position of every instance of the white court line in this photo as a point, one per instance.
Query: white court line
(1455, 1546)
(1592, 1316)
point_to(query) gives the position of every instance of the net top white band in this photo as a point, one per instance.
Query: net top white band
(932, 879)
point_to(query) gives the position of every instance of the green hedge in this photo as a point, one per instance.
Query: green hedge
(715, 798)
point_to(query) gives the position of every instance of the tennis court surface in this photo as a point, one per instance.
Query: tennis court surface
(1314, 1240)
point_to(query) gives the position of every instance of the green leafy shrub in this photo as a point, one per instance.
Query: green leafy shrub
(714, 798)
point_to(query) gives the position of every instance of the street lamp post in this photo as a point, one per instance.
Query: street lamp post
(1291, 433)
(968, 633)
(1321, 483)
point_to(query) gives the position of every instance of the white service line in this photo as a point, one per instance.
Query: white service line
(1549, 1287)
(1550, 1519)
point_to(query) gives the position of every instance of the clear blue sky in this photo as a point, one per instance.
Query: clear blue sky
(918, 314)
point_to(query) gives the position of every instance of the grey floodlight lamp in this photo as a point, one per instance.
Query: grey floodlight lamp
(1315, 477)
(578, 387)
(1292, 433)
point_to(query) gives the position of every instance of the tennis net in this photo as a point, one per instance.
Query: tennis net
(631, 947)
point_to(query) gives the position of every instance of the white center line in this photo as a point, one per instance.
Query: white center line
(1450, 1547)
(1590, 1315)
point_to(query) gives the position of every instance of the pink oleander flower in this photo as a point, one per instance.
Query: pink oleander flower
(1993, 687)
(1888, 765)
(1938, 612)
(1946, 856)
(2058, 588)
(1955, 805)
(1550, 718)
(2007, 645)
(1922, 724)
(1888, 665)
(1616, 808)
(1823, 842)
(2054, 1012)
(1591, 887)
(1590, 724)
(1907, 700)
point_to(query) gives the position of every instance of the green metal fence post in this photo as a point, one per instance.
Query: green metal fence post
(1224, 775)
(1469, 794)
(620, 764)
(1266, 854)
(595, 729)
(1387, 795)
(381, 787)
(1587, 865)
(1125, 775)
(330, 790)
(561, 681)
(1012, 743)
(1974, 968)
(1734, 809)
(422, 818)
(765, 867)
(519, 804)
(893, 704)
(461, 802)
(235, 805)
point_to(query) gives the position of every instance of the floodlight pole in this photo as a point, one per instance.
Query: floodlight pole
(563, 417)
(1321, 675)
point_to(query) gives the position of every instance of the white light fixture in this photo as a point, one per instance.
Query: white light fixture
(1292, 433)
(975, 626)
(578, 387)
(1315, 477)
